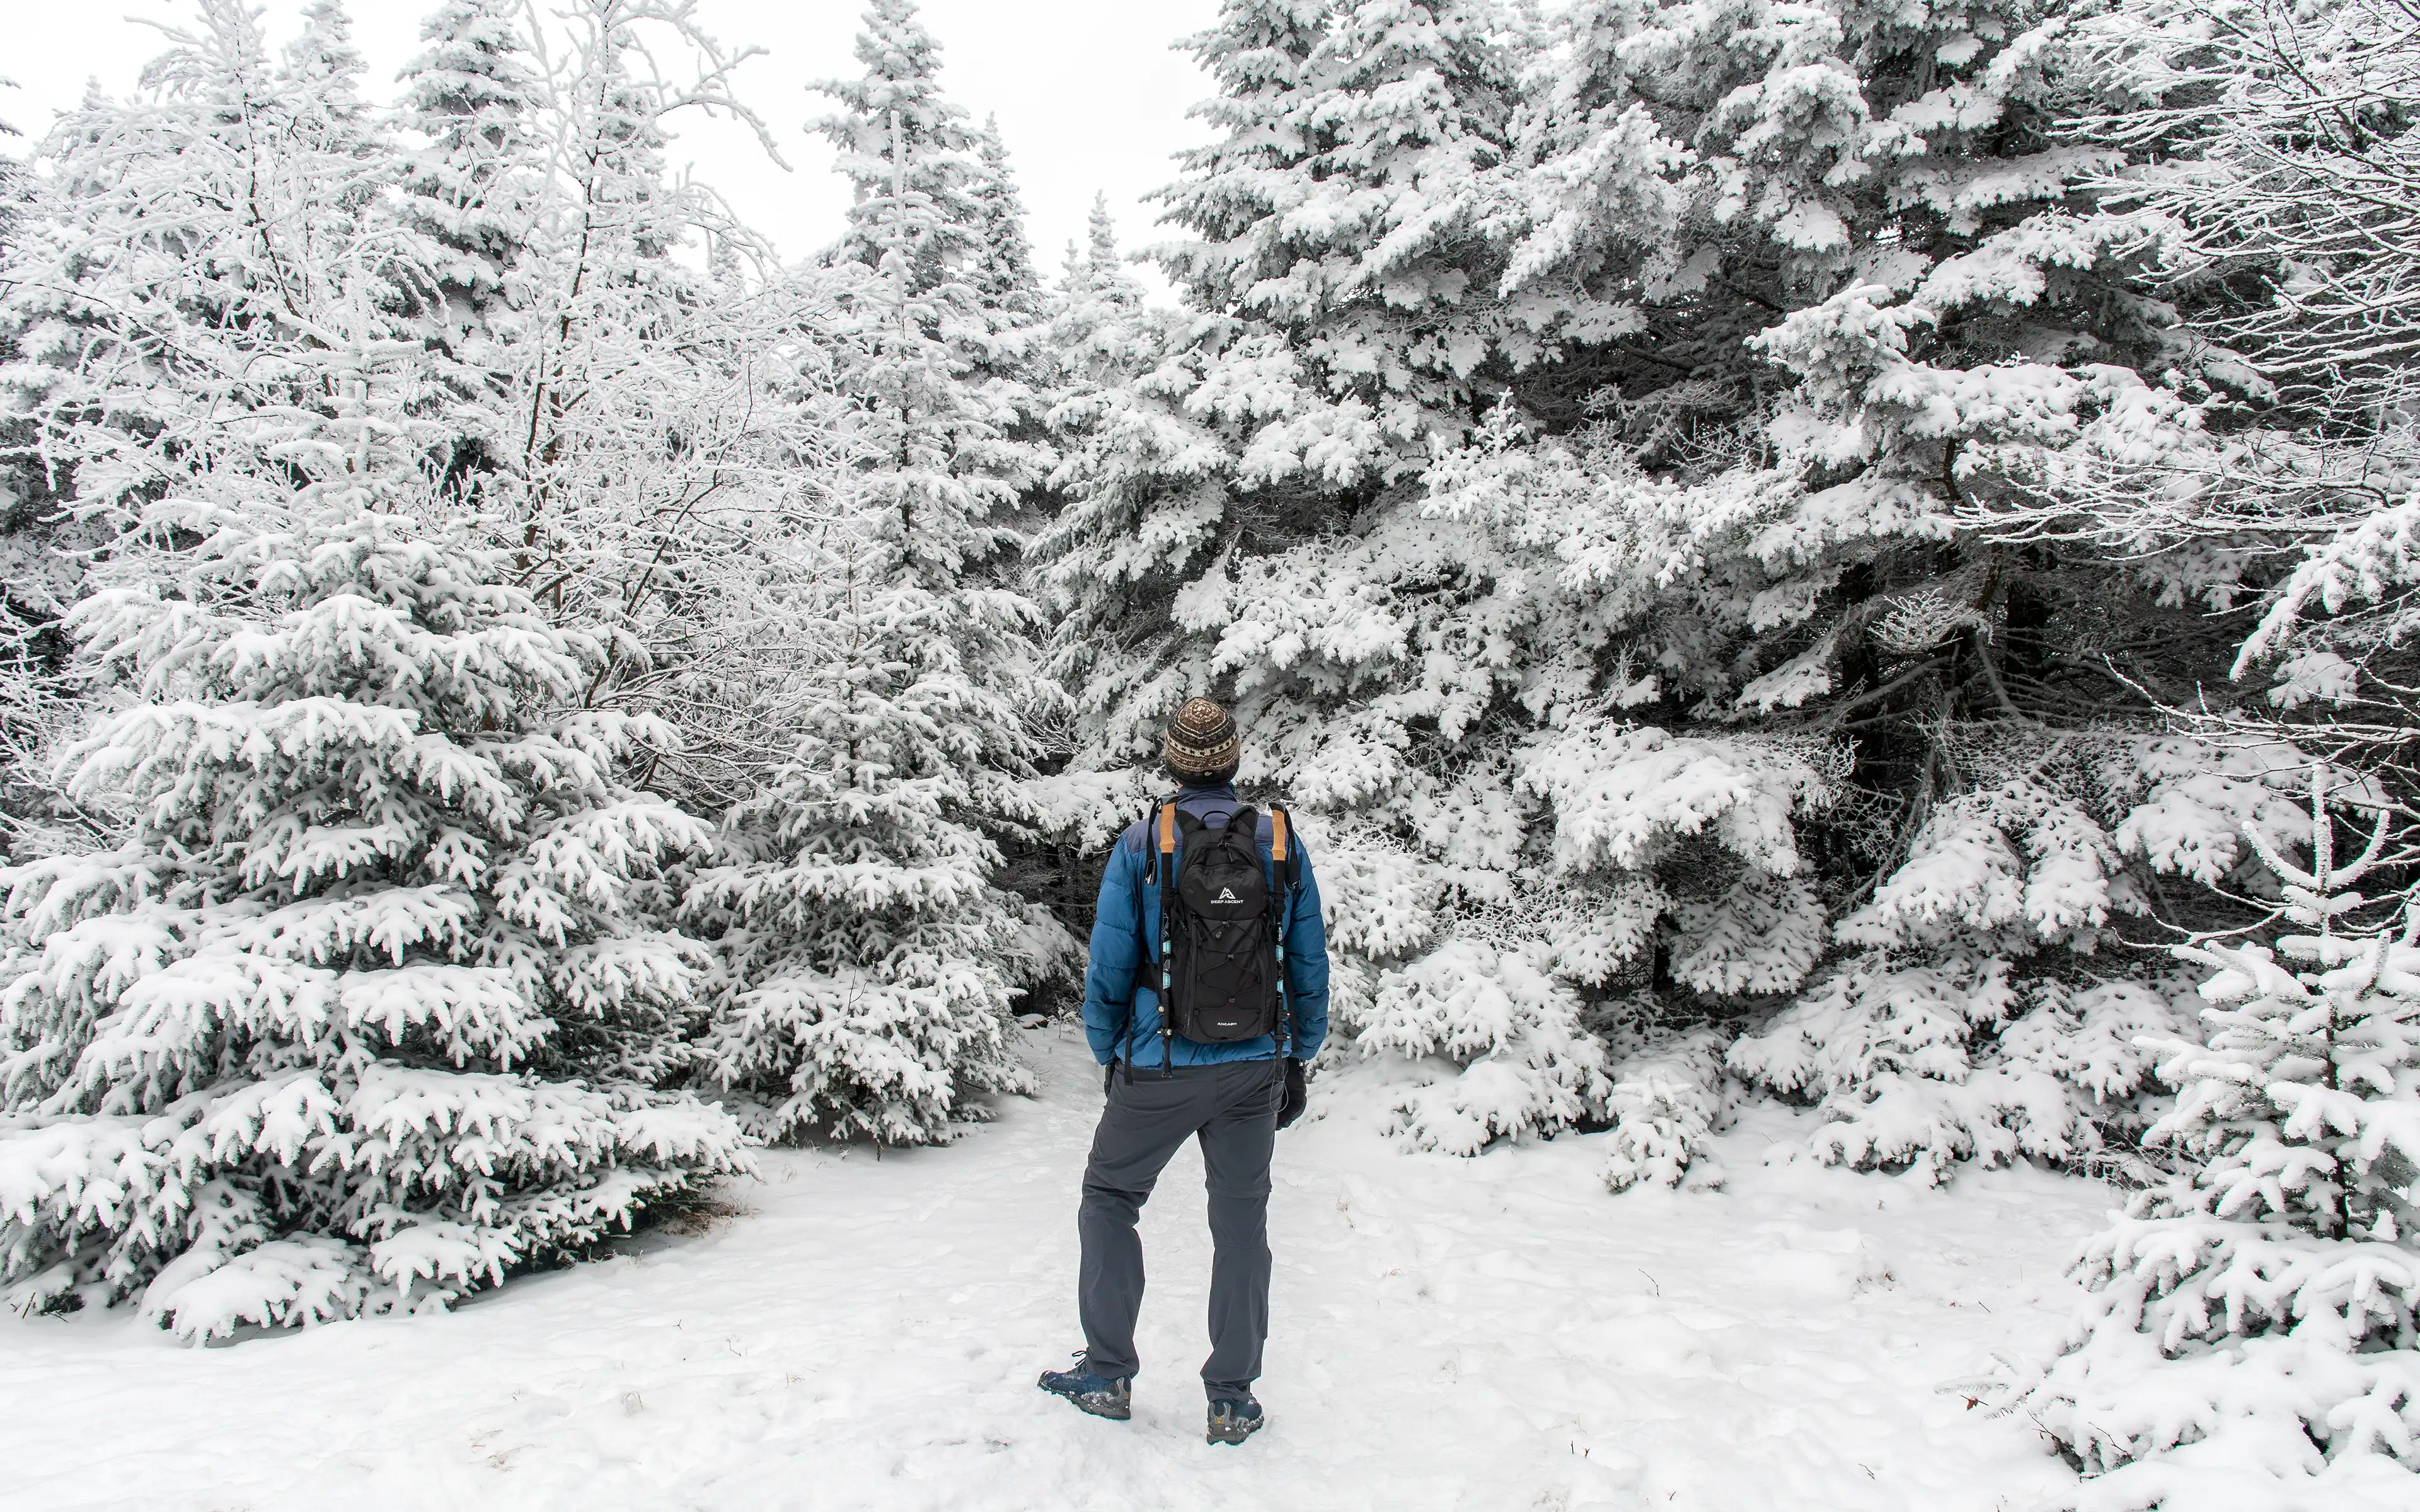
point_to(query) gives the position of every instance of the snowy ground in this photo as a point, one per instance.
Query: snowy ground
(1488, 1333)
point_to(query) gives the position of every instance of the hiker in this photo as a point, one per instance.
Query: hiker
(1238, 946)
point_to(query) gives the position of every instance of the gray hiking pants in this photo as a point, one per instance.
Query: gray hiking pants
(1232, 1107)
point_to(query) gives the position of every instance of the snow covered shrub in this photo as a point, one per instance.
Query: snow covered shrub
(1504, 1036)
(2078, 1069)
(1472, 930)
(1919, 1066)
(1687, 839)
(2252, 1332)
(1983, 1018)
(1668, 1098)
(2061, 837)
(1883, 1051)
(361, 1009)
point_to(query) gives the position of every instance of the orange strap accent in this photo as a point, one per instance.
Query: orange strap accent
(1168, 829)
(1277, 836)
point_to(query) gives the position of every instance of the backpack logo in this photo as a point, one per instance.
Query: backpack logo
(1226, 895)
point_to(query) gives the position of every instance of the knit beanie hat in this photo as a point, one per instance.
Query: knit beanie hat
(1202, 746)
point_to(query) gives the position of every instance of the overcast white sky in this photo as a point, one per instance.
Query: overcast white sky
(1089, 93)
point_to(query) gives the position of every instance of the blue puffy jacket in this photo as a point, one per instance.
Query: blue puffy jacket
(1121, 996)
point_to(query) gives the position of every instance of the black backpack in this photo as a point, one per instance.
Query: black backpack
(1221, 954)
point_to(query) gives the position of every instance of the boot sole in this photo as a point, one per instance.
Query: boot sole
(1234, 1435)
(1115, 1415)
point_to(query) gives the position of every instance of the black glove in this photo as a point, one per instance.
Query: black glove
(1297, 1096)
(1109, 1075)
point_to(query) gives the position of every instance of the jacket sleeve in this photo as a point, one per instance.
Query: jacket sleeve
(1305, 946)
(1117, 955)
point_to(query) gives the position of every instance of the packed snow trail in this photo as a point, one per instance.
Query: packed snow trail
(1487, 1333)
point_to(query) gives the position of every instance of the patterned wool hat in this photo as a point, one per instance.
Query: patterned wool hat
(1203, 745)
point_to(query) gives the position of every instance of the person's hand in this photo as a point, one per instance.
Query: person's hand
(1109, 1075)
(1297, 1095)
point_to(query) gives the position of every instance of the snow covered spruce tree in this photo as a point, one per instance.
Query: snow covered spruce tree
(1088, 343)
(2034, 823)
(1249, 514)
(36, 580)
(1333, 354)
(1573, 483)
(360, 1012)
(1003, 274)
(2251, 1329)
(475, 188)
(348, 997)
(869, 958)
(2083, 498)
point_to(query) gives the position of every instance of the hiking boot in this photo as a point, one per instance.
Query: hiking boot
(1101, 1395)
(1233, 1419)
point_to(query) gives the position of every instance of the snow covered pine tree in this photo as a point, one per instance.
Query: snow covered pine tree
(868, 958)
(346, 999)
(1571, 479)
(2252, 1335)
(358, 1013)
